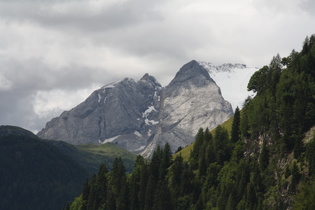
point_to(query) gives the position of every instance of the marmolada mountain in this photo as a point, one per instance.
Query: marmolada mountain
(140, 115)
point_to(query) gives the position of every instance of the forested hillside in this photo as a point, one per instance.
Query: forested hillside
(33, 174)
(45, 174)
(267, 161)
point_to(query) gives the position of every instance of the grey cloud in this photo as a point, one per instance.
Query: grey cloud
(80, 44)
(33, 74)
(29, 77)
(16, 109)
(308, 6)
(115, 16)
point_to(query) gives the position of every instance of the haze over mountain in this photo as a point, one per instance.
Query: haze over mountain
(140, 115)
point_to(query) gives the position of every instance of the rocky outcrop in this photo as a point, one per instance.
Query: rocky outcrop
(139, 116)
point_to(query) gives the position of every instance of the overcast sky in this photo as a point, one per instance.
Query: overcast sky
(54, 53)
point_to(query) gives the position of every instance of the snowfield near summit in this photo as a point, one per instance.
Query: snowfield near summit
(232, 80)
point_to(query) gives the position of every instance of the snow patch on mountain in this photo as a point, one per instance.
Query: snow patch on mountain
(109, 140)
(232, 80)
(110, 85)
(140, 148)
(145, 115)
(137, 134)
(148, 111)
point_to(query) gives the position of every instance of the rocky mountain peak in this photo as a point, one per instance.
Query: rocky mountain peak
(193, 72)
(150, 79)
(140, 115)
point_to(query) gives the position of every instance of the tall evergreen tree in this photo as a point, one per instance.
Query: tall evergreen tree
(144, 176)
(235, 134)
(155, 163)
(165, 161)
(194, 155)
(162, 197)
(118, 181)
(221, 145)
(149, 193)
(135, 183)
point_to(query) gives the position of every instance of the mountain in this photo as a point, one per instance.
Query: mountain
(125, 113)
(34, 174)
(190, 101)
(140, 115)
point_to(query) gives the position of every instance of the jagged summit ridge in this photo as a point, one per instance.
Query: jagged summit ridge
(113, 113)
(227, 67)
(140, 115)
(150, 78)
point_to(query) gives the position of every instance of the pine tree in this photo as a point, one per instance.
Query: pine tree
(149, 193)
(194, 155)
(207, 136)
(162, 198)
(155, 163)
(144, 175)
(135, 183)
(118, 183)
(175, 173)
(85, 194)
(221, 146)
(235, 134)
(98, 189)
(166, 161)
(202, 166)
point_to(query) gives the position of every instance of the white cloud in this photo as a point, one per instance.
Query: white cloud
(56, 100)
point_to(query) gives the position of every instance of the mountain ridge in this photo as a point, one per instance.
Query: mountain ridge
(133, 114)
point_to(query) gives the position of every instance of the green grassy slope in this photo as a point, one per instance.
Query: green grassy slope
(90, 156)
(107, 149)
(99, 153)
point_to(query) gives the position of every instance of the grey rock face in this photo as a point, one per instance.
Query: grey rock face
(139, 116)
(125, 113)
(192, 100)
